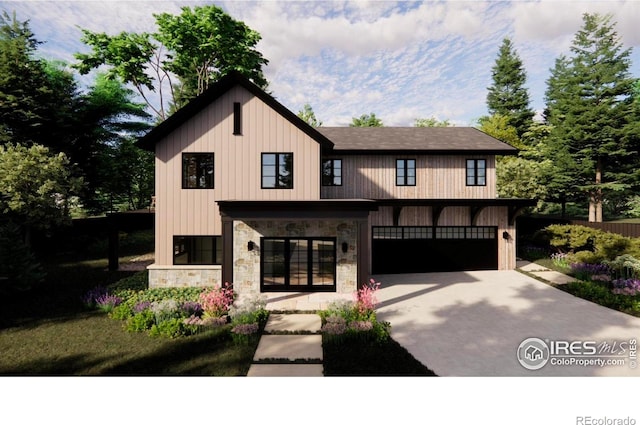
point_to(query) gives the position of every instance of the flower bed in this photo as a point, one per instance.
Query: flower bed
(180, 312)
(355, 319)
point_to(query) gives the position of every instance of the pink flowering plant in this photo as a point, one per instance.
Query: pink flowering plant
(357, 318)
(218, 301)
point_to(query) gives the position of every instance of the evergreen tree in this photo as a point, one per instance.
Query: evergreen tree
(507, 95)
(23, 83)
(590, 108)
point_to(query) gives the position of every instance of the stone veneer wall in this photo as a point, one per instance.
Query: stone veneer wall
(246, 264)
(184, 276)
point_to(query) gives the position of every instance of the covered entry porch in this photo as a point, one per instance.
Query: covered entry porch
(318, 246)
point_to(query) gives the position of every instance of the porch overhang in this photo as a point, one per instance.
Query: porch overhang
(326, 209)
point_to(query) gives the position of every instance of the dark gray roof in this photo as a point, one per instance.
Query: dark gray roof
(415, 139)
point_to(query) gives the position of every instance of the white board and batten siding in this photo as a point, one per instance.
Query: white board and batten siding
(237, 166)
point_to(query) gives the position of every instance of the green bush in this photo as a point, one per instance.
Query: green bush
(17, 263)
(137, 282)
(141, 322)
(121, 312)
(172, 328)
(585, 257)
(582, 240)
(601, 294)
(625, 267)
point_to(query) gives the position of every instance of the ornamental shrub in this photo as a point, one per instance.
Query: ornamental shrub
(172, 328)
(602, 245)
(625, 267)
(216, 302)
(140, 322)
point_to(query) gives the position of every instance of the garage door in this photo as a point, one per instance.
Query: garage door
(413, 249)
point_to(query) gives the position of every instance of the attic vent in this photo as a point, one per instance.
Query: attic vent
(237, 118)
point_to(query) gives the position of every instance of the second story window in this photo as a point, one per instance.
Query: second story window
(405, 172)
(197, 170)
(476, 172)
(332, 172)
(277, 170)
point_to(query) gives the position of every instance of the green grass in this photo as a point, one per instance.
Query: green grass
(47, 331)
(357, 358)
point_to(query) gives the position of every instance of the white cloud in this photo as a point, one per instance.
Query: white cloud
(401, 60)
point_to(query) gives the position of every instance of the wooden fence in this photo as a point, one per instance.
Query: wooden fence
(625, 229)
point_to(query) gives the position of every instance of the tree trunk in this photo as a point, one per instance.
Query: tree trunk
(595, 196)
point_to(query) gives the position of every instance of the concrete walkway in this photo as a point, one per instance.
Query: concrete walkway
(282, 353)
(472, 323)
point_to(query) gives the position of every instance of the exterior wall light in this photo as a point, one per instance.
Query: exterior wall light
(250, 246)
(345, 247)
(505, 235)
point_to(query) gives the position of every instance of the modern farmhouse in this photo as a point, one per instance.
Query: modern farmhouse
(248, 193)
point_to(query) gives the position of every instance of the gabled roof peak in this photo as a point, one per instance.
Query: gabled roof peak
(215, 91)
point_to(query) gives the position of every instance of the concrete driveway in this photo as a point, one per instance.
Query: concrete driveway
(472, 324)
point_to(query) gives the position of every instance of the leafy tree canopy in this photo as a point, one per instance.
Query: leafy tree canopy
(308, 116)
(432, 122)
(187, 53)
(35, 185)
(366, 120)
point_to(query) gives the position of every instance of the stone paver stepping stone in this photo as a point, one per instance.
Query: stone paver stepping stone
(290, 347)
(554, 277)
(302, 370)
(533, 267)
(293, 323)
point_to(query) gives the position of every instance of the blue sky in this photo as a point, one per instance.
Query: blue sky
(400, 60)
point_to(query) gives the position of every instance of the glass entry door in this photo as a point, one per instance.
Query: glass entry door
(298, 264)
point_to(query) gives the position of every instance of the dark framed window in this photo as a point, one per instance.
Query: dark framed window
(405, 172)
(204, 250)
(277, 170)
(332, 172)
(476, 172)
(237, 118)
(297, 264)
(197, 170)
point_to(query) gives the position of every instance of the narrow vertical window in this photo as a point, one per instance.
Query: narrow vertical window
(405, 172)
(197, 170)
(476, 172)
(237, 118)
(277, 170)
(332, 172)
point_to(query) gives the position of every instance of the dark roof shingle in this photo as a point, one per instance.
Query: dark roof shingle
(415, 139)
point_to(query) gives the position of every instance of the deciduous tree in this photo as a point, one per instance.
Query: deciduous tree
(366, 120)
(188, 52)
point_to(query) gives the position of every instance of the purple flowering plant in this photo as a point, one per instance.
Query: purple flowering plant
(107, 302)
(90, 298)
(586, 271)
(626, 286)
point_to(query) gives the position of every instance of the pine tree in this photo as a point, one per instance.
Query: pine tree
(590, 108)
(23, 87)
(507, 95)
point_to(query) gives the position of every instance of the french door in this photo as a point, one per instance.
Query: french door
(298, 264)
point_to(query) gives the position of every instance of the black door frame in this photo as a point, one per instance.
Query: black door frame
(287, 287)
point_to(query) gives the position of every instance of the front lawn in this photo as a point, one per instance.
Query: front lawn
(48, 331)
